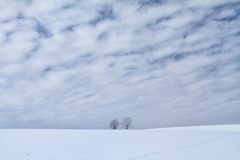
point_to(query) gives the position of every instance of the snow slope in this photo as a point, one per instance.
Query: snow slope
(182, 143)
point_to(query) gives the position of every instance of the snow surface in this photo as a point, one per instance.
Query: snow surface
(182, 143)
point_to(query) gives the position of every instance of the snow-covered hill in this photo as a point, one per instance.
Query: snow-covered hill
(183, 143)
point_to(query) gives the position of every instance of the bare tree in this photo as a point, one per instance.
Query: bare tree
(127, 123)
(114, 124)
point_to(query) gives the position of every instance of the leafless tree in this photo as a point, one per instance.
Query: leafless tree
(114, 124)
(127, 123)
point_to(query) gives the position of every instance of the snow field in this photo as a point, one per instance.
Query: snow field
(181, 143)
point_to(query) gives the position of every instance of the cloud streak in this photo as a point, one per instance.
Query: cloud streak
(81, 64)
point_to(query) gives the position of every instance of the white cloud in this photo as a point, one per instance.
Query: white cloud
(69, 64)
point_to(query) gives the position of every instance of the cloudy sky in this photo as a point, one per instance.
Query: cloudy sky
(81, 64)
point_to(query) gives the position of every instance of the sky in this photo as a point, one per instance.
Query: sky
(68, 64)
